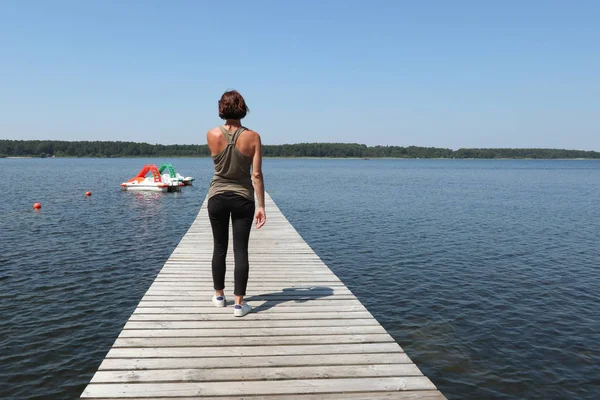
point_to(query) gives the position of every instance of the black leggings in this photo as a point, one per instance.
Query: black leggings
(241, 210)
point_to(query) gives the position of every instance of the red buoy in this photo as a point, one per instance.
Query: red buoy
(88, 193)
(37, 206)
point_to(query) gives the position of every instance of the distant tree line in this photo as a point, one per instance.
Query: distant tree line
(49, 148)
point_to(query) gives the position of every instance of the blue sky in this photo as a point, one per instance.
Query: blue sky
(428, 73)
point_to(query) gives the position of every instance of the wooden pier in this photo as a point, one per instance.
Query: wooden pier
(308, 337)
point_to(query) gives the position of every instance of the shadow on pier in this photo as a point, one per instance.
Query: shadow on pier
(296, 294)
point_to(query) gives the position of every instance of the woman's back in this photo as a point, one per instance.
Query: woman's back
(246, 142)
(233, 154)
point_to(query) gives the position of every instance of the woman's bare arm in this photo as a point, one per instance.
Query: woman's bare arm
(259, 185)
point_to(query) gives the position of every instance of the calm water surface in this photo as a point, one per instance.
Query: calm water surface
(486, 272)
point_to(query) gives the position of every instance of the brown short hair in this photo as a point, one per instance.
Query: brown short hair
(232, 106)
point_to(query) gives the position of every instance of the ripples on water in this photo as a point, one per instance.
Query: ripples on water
(72, 273)
(486, 272)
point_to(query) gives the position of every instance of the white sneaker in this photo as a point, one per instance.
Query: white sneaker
(219, 301)
(241, 310)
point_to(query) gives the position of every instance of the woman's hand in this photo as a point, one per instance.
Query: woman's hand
(260, 217)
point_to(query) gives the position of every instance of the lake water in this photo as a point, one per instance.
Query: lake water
(486, 272)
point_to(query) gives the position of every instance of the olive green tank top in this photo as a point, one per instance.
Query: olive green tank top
(232, 169)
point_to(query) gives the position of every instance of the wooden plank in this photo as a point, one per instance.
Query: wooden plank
(308, 338)
(282, 281)
(272, 298)
(277, 270)
(249, 324)
(255, 273)
(262, 283)
(410, 395)
(264, 274)
(256, 303)
(251, 388)
(245, 332)
(225, 310)
(256, 280)
(251, 316)
(253, 361)
(243, 351)
(266, 297)
(251, 292)
(257, 373)
(258, 288)
(250, 340)
(284, 259)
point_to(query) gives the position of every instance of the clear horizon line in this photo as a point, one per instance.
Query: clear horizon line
(298, 143)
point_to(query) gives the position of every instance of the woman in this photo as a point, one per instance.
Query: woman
(236, 151)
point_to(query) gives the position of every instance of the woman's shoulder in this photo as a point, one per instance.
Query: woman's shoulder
(214, 131)
(250, 132)
(218, 129)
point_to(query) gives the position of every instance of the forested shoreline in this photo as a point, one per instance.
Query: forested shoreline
(105, 149)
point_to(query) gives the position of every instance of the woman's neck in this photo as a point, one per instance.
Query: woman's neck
(232, 123)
